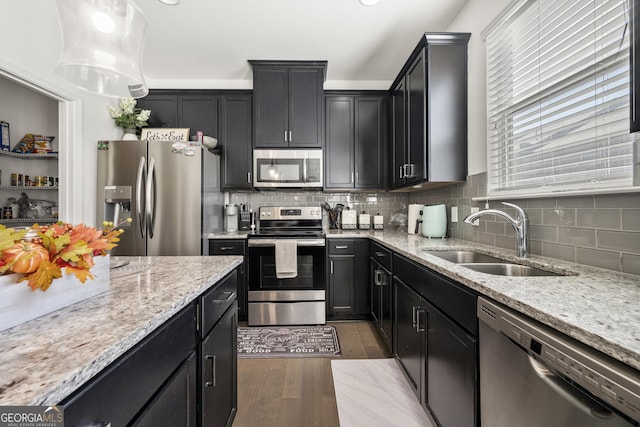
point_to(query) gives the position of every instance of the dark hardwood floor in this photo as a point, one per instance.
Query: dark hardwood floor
(297, 392)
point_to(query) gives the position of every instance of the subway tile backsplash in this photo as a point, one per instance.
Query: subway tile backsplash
(602, 231)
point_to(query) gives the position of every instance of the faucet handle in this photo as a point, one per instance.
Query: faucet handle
(521, 213)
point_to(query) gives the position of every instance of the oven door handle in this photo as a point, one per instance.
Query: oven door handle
(265, 243)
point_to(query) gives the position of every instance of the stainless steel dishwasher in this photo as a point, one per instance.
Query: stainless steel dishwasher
(532, 376)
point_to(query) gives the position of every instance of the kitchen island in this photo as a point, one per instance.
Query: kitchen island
(45, 360)
(595, 306)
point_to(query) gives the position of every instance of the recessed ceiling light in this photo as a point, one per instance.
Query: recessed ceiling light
(369, 2)
(170, 2)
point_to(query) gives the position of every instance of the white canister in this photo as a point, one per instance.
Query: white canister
(378, 222)
(364, 221)
(349, 219)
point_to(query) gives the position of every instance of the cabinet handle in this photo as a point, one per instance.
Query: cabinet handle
(210, 365)
(285, 136)
(380, 254)
(249, 177)
(419, 327)
(229, 296)
(290, 137)
(342, 246)
(331, 267)
(377, 274)
(226, 248)
(413, 316)
(401, 171)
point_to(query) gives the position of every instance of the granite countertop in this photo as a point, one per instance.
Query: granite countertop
(225, 235)
(595, 306)
(46, 359)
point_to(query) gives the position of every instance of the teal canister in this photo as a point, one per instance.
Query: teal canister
(434, 221)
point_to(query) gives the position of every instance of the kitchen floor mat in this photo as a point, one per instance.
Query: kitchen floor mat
(288, 341)
(375, 393)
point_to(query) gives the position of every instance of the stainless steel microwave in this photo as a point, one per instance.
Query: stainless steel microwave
(287, 168)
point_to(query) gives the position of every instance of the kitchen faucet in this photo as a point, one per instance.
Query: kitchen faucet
(520, 224)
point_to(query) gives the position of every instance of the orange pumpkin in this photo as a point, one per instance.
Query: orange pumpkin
(25, 257)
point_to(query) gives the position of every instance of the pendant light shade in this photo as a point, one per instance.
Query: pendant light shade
(102, 42)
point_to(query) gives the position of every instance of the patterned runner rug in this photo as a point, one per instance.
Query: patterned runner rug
(288, 341)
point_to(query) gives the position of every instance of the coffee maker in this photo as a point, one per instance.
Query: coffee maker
(231, 213)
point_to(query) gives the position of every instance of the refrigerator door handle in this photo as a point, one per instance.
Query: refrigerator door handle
(140, 178)
(150, 198)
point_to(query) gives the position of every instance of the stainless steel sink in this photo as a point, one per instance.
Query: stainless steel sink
(506, 269)
(464, 256)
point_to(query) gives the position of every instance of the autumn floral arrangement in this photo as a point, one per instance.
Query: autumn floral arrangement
(127, 116)
(42, 251)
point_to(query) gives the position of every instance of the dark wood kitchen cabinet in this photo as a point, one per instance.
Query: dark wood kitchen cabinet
(355, 130)
(348, 287)
(382, 291)
(635, 65)
(429, 113)
(224, 115)
(234, 247)
(183, 370)
(288, 103)
(436, 342)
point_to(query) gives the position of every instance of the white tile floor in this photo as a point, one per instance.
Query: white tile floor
(375, 393)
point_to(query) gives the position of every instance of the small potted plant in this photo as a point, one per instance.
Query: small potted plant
(128, 117)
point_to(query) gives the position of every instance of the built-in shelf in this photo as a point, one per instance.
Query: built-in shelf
(30, 156)
(30, 220)
(30, 187)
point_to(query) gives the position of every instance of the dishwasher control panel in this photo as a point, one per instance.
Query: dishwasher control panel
(613, 382)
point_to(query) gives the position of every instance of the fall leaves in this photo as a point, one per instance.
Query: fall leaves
(52, 248)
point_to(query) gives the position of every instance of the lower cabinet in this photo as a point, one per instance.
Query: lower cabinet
(436, 342)
(348, 276)
(184, 370)
(234, 247)
(381, 292)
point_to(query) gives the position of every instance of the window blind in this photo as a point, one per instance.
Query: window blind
(558, 98)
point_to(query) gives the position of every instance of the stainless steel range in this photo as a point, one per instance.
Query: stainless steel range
(287, 267)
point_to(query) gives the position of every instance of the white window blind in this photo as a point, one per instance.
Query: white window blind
(558, 98)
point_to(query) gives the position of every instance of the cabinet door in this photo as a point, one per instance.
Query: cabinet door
(218, 372)
(451, 371)
(164, 110)
(376, 294)
(175, 405)
(386, 307)
(339, 145)
(235, 139)
(398, 134)
(341, 284)
(635, 66)
(305, 107)
(409, 335)
(369, 142)
(271, 98)
(416, 88)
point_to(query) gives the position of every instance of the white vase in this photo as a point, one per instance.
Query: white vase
(129, 135)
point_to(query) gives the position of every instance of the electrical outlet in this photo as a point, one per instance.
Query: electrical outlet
(477, 221)
(454, 214)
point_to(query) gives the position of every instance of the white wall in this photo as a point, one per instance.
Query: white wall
(474, 18)
(31, 48)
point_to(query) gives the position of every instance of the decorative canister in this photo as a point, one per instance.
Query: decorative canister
(364, 221)
(378, 222)
(349, 221)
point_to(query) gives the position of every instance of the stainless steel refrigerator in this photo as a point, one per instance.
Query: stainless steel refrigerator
(158, 184)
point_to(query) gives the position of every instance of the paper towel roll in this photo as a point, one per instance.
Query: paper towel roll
(413, 216)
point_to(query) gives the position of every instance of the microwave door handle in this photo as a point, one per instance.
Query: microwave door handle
(150, 202)
(140, 180)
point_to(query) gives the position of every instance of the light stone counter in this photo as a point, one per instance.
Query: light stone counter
(44, 360)
(598, 307)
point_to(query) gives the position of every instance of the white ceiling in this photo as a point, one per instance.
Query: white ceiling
(206, 43)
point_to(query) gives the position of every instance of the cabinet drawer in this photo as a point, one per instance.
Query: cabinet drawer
(216, 301)
(451, 298)
(118, 393)
(340, 247)
(226, 247)
(382, 255)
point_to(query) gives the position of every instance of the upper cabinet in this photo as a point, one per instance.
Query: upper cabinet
(288, 103)
(355, 140)
(635, 66)
(429, 113)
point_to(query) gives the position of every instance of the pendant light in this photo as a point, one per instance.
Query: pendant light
(102, 42)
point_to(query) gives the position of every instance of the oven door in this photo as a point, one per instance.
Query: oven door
(262, 267)
(292, 301)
